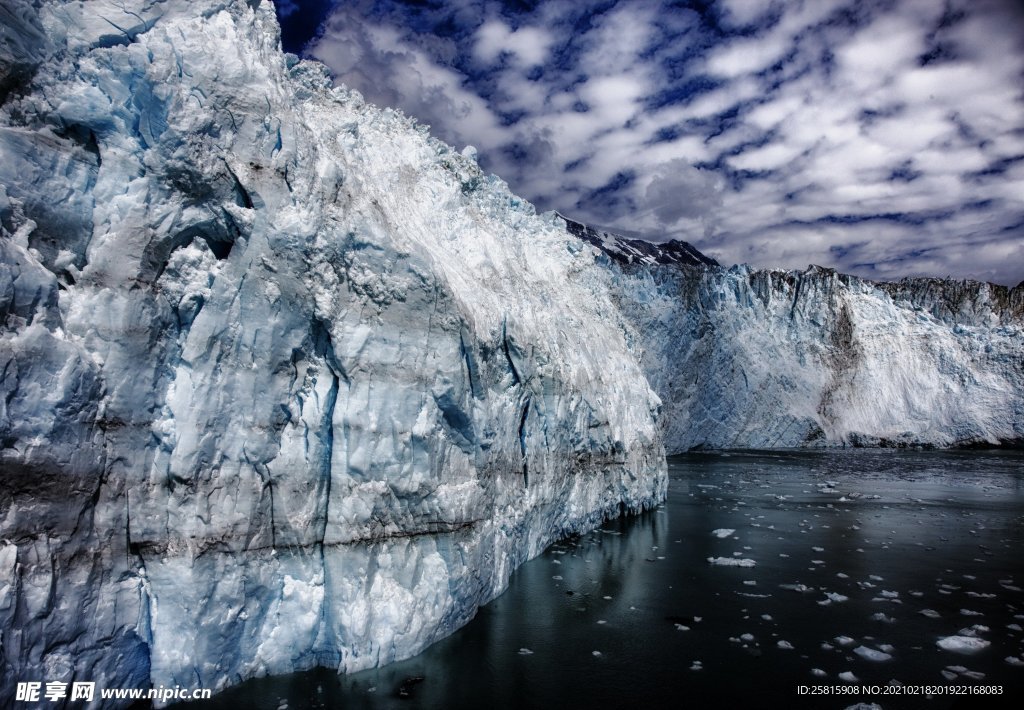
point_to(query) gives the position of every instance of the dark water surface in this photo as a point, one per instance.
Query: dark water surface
(633, 615)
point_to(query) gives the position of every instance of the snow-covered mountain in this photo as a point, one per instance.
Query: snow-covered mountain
(639, 251)
(286, 381)
(767, 359)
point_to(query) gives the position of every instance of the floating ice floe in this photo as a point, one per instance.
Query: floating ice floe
(722, 532)
(974, 630)
(848, 677)
(525, 652)
(872, 654)
(785, 645)
(731, 561)
(962, 644)
(930, 613)
(802, 588)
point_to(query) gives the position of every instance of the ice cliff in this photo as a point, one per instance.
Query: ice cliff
(286, 381)
(769, 359)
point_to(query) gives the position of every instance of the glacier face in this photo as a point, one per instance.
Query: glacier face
(286, 382)
(765, 359)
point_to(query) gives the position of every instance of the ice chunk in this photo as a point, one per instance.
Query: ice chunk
(962, 644)
(731, 561)
(723, 532)
(871, 654)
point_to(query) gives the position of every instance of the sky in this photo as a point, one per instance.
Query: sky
(883, 138)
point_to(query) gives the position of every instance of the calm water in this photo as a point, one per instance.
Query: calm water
(846, 544)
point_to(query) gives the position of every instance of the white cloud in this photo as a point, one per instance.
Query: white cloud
(613, 98)
(748, 56)
(529, 45)
(745, 12)
(771, 157)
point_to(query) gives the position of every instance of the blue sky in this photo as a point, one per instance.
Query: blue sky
(881, 138)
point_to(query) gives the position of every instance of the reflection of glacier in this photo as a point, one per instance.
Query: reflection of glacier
(287, 382)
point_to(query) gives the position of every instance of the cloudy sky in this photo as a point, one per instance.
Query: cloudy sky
(882, 138)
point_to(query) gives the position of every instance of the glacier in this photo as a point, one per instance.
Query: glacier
(763, 359)
(287, 382)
